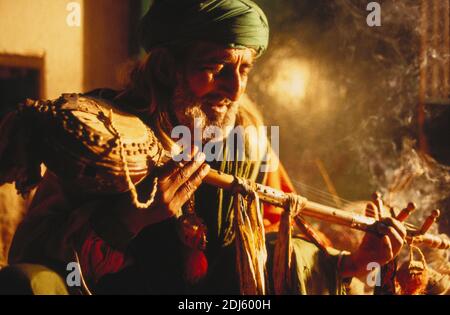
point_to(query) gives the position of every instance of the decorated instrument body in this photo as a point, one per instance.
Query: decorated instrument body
(88, 142)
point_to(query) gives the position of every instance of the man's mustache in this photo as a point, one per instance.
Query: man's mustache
(217, 101)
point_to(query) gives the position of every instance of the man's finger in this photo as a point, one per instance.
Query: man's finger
(172, 170)
(398, 226)
(182, 174)
(395, 239)
(190, 186)
(170, 167)
(389, 253)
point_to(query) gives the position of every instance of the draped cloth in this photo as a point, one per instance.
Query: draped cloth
(234, 23)
(251, 252)
(292, 258)
(283, 255)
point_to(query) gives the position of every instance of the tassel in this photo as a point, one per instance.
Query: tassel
(412, 277)
(251, 253)
(412, 280)
(196, 266)
(192, 232)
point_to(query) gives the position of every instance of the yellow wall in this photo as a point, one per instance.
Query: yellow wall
(76, 59)
(106, 42)
(39, 28)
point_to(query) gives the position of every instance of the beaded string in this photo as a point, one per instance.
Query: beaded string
(131, 186)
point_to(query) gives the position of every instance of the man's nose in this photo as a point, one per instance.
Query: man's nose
(232, 85)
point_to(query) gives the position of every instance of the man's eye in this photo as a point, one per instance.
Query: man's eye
(246, 70)
(212, 68)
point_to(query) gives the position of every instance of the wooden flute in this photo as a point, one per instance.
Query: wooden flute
(329, 214)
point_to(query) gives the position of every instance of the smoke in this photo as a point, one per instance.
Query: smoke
(360, 88)
(358, 114)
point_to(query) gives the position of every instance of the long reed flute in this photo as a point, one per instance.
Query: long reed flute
(325, 213)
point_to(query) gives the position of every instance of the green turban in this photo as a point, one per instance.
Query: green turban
(234, 23)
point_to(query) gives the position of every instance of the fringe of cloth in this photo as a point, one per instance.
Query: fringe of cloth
(251, 252)
(284, 256)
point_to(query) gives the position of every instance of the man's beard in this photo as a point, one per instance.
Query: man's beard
(194, 112)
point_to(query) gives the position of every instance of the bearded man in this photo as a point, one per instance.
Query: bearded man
(199, 57)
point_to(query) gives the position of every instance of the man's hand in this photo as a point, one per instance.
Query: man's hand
(177, 183)
(380, 248)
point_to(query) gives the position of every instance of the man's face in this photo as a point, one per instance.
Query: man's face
(211, 84)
